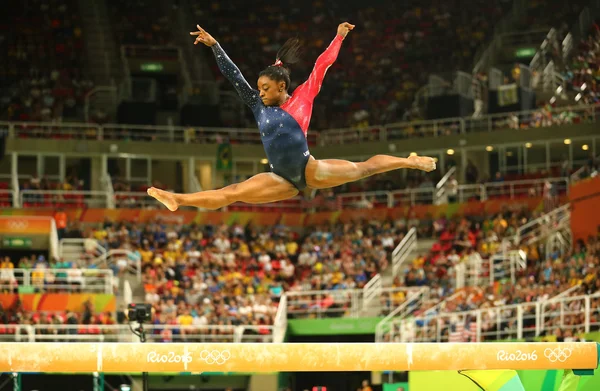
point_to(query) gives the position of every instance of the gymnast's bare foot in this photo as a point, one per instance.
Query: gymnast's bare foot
(424, 163)
(166, 198)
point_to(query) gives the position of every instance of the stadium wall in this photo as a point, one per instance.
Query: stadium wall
(585, 211)
(179, 151)
(474, 208)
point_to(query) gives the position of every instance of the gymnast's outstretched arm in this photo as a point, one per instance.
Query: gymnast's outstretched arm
(228, 68)
(311, 87)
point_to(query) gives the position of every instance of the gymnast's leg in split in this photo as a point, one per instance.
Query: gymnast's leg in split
(270, 187)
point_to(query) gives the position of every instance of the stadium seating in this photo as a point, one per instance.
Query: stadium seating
(132, 27)
(41, 77)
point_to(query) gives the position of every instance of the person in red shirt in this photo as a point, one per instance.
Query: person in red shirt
(60, 218)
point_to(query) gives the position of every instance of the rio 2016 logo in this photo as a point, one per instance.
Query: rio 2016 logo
(170, 357)
(210, 357)
(516, 356)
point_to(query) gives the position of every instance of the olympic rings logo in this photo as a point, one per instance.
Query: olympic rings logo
(18, 225)
(558, 354)
(215, 357)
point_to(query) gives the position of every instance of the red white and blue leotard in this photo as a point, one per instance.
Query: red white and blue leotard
(283, 129)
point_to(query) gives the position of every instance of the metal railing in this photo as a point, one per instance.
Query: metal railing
(75, 198)
(508, 260)
(342, 303)
(469, 272)
(324, 304)
(415, 300)
(134, 200)
(280, 322)
(401, 130)
(573, 313)
(372, 292)
(389, 329)
(121, 260)
(440, 188)
(480, 192)
(403, 250)
(357, 200)
(80, 249)
(7, 197)
(543, 225)
(57, 280)
(122, 333)
(526, 320)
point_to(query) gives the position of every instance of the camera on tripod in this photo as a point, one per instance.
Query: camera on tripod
(140, 312)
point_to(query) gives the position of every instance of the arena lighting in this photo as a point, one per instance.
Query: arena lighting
(577, 97)
(583, 87)
(489, 148)
(264, 161)
(567, 141)
(293, 357)
(528, 145)
(552, 100)
(450, 152)
(585, 147)
(559, 89)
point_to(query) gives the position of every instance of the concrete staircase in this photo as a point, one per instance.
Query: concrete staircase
(103, 56)
(73, 250)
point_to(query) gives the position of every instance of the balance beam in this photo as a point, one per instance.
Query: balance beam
(292, 357)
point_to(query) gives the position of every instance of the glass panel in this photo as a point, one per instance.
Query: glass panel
(78, 174)
(513, 159)
(139, 172)
(27, 167)
(536, 157)
(559, 159)
(582, 153)
(51, 167)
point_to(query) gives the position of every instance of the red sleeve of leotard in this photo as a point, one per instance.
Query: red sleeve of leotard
(312, 86)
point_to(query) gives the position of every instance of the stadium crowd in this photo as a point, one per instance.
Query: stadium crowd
(395, 52)
(41, 76)
(234, 275)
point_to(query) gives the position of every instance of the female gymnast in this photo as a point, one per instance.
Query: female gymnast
(283, 123)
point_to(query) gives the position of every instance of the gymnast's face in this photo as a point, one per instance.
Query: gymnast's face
(272, 92)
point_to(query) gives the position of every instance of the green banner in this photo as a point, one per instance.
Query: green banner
(333, 326)
(224, 157)
(16, 242)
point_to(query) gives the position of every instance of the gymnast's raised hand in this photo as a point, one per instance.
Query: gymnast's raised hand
(282, 118)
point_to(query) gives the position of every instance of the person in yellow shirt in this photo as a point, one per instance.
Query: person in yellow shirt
(291, 247)
(573, 278)
(337, 277)
(418, 262)
(6, 273)
(6, 264)
(243, 250)
(100, 234)
(398, 297)
(185, 319)
(146, 254)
